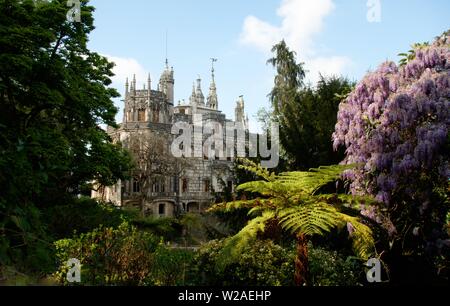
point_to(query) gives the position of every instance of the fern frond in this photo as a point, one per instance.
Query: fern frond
(268, 189)
(310, 219)
(310, 182)
(252, 167)
(242, 204)
(234, 245)
(362, 236)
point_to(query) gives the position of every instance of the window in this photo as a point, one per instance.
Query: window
(136, 186)
(141, 115)
(156, 187)
(162, 209)
(156, 116)
(206, 184)
(175, 185)
(230, 185)
(182, 111)
(185, 185)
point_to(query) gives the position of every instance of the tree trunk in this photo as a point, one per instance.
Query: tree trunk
(142, 204)
(301, 261)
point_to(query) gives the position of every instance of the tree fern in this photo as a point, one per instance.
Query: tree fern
(293, 199)
(309, 219)
(236, 243)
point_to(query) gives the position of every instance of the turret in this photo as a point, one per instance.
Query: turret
(212, 101)
(240, 112)
(149, 82)
(199, 93)
(193, 97)
(133, 89)
(166, 83)
(149, 88)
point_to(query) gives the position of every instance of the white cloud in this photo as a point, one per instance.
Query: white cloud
(126, 68)
(301, 21)
(333, 65)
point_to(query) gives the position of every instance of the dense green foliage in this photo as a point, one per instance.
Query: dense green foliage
(329, 268)
(294, 200)
(81, 216)
(172, 267)
(121, 256)
(54, 96)
(262, 263)
(306, 114)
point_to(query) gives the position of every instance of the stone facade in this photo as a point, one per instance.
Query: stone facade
(148, 112)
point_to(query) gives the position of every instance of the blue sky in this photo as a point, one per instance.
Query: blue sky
(330, 36)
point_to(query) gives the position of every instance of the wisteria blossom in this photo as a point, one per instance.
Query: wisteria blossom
(395, 126)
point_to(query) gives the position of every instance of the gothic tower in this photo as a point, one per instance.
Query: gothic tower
(239, 112)
(166, 83)
(212, 97)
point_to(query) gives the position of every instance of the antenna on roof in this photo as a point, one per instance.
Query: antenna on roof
(167, 61)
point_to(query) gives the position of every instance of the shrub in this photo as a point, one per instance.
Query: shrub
(122, 256)
(329, 268)
(81, 216)
(168, 228)
(395, 125)
(171, 266)
(262, 263)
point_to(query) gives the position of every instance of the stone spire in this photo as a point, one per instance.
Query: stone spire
(126, 87)
(193, 97)
(240, 112)
(212, 97)
(134, 85)
(149, 82)
(199, 93)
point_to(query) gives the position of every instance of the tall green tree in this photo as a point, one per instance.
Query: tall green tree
(306, 114)
(54, 97)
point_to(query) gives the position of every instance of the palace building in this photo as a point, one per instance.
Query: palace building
(149, 112)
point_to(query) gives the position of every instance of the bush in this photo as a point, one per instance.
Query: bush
(168, 228)
(171, 266)
(329, 268)
(262, 263)
(81, 216)
(395, 125)
(122, 256)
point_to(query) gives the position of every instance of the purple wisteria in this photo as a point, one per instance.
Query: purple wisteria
(395, 126)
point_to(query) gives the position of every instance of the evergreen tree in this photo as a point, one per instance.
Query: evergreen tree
(306, 114)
